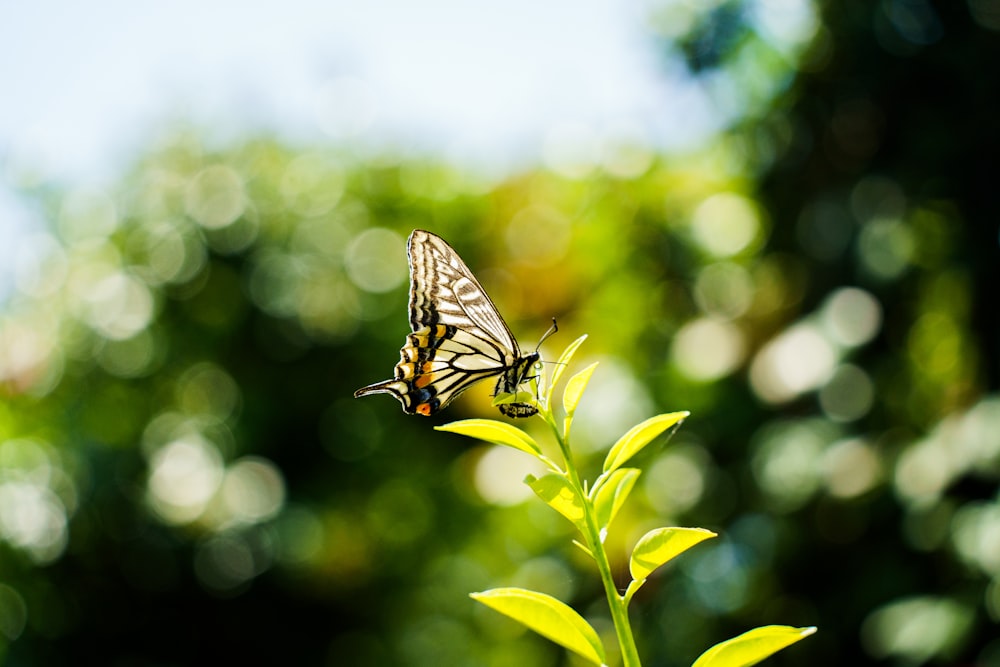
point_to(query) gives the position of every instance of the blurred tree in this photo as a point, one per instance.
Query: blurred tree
(874, 165)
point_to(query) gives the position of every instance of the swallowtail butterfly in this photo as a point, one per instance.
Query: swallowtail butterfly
(458, 336)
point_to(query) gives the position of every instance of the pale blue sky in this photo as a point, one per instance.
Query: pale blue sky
(84, 83)
(84, 87)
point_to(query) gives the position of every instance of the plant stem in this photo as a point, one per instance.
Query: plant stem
(616, 603)
(619, 612)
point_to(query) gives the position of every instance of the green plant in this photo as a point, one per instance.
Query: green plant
(591, 508)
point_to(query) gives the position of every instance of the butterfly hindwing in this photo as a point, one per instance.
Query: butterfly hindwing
(458, 338)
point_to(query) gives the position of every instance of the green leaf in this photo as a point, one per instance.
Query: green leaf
(548, 617)
(562, 363)
(558, 493)
(752, 647)
(638, 437)
(499, 433)
(660, 545)
(612, 493)
(575, 387)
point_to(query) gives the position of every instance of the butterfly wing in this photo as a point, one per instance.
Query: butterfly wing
(458, 336)
(444, 291)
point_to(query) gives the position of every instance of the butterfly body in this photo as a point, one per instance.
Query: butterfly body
(458, 338)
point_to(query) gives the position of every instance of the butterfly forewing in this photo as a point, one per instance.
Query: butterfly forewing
(444, 291)
(458, 336)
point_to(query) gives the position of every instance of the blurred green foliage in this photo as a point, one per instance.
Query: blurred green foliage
(184, 474)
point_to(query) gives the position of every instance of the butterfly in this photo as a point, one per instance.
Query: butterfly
(458, 338)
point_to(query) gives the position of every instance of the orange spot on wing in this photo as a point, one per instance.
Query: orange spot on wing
(424, 409)
(426, 375)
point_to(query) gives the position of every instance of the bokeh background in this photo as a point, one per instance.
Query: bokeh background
(780, 216)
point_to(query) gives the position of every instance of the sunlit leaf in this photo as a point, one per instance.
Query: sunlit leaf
(574, 389)
(499, 433)
(562, 363)
(752, 647)
(558, 493)
(660, 545)
(548, 617)
(612, 494)
(638, 437)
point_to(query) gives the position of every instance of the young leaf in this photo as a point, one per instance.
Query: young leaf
(752, 647)
(575, 387)
(548, 617)
(561, 365)
(638, 437)
(660, 545)
(612, 494)
(558, 494)
(499, 433)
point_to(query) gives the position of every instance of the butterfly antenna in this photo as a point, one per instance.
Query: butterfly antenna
(552, 329)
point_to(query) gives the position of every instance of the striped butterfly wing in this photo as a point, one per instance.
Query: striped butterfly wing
(458, 338)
